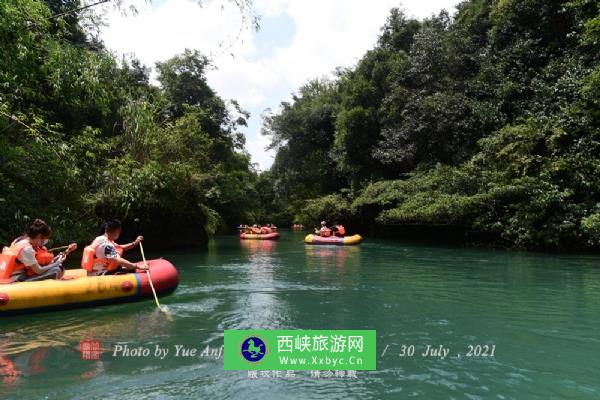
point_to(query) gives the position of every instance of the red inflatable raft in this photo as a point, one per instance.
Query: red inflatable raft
(260, 236)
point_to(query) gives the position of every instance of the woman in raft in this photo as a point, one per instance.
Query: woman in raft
(28, 260)
(105, 257)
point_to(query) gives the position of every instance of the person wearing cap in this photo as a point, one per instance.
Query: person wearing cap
(324, 231)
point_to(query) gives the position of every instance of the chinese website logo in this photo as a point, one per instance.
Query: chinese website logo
(253, 349)
(300, 350)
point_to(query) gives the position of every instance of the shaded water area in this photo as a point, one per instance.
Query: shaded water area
(540, 311)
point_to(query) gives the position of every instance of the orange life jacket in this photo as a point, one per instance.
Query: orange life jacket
(325, 232)
(10, 265)
(341, 231)
(89, 256)
(265, 230)
(43, 256)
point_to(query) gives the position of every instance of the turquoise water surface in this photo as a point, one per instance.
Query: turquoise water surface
(539, 312)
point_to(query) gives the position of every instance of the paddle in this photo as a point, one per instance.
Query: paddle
(59, 248)
(150, 279)
(70, 248)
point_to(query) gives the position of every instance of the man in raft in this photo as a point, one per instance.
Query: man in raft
(104, 256)
(28, 260)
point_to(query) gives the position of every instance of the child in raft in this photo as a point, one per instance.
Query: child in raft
(105, 257)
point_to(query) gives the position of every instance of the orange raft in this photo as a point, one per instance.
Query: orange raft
(76, 289)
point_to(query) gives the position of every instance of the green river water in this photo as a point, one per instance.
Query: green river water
(540, 311)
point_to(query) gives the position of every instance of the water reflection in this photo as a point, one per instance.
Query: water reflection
(48, 331)
(332, 256)
(46, 344)
(258, 247)
(17, 369)
(259, 305)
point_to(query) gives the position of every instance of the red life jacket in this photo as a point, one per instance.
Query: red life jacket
(265, 230)
(89, 256)
(10, 266)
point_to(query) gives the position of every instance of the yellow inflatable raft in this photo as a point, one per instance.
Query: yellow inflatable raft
(76, 289)
(334, 240)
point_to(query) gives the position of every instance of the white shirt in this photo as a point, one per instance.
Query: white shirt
(27, 255)
(105, 249)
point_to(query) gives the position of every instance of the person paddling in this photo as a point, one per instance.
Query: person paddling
(105, 257)
(19, 263)
(339, 230)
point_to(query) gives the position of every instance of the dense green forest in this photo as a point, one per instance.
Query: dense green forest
(487, 121)
(86, 136)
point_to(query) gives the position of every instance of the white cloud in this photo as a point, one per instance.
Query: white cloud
(270, 8)
(328, 34)
(246, 81)
(158, 33)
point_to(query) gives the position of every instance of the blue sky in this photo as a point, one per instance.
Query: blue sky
(299, 40)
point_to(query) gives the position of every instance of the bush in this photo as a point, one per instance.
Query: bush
(333, 208)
